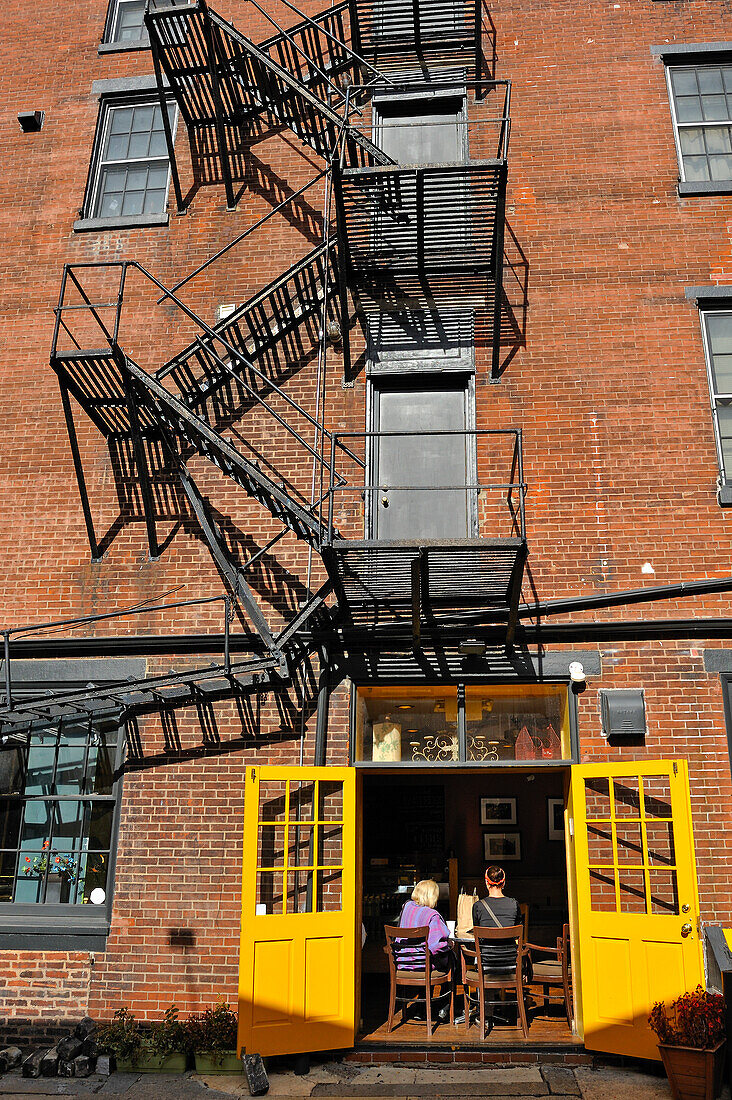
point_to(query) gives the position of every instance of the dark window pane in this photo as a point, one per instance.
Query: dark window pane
(11, 771)
(11, 814)
(99, 830)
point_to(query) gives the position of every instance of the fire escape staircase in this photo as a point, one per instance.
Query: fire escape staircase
(214, 373)
(226, 86)
(223, 82)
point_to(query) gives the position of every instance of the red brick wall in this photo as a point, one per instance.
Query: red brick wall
(610, 391)
(40, 995)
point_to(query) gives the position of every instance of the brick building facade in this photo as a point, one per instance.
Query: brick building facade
(616, 255)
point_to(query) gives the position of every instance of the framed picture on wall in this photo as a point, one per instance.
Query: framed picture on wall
(555, 814)
(498, 811)
(501, 847)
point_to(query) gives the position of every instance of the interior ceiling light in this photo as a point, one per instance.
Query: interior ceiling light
(471, 647)
(404, 706)
(439, 705)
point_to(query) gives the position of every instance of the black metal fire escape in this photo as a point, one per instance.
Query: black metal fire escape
(397, 229)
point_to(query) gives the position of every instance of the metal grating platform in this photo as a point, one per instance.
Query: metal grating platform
(382, 583)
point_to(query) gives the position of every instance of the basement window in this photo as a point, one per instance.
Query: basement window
(60, 783)
(130, 172)
(701, 105)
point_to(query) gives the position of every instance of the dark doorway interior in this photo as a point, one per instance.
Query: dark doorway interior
(427, 826)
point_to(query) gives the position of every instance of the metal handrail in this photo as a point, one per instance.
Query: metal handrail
(124, 265)
(237, 240)
(447, 86)
(85, 620)
(311, 22)
(516, 484)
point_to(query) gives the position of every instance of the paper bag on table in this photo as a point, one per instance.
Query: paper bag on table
(464, 922)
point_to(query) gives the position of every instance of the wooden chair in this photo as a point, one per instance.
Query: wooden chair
(477, 975)
(554, 973)
(406, 940)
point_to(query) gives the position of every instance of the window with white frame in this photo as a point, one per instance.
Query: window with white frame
(126, 23)
(717, 331)
(701, 100)
(131, 166)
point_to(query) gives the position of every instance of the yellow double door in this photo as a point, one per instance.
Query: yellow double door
(632, 891)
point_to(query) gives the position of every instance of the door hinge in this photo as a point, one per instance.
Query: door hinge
(676, 768)
(254, 774)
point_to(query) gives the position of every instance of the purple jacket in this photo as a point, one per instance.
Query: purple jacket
(417, 916)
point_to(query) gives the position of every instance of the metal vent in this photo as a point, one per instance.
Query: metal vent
(623, 714)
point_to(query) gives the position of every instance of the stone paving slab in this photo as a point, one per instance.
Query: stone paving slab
(561, 1080)
(462, 1088)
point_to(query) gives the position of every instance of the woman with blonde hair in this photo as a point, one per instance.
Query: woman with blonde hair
(421, 912)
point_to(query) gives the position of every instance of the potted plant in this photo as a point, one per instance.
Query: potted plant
(157, 1049)
(691, 1042)
(211, 1035)
(59, 870)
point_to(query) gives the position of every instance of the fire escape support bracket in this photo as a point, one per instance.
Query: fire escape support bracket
(213, 69)
(342, 255)
(498, 245)
(234, 580)
(416, 583)
(79, 468)
(141, 463)
(157, 69)
(514, 595)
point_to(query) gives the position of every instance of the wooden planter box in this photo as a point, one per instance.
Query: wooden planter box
(224, 1061)
(693, 1074)
(153, 1063)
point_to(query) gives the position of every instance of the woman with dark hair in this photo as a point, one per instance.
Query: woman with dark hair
(493, 911)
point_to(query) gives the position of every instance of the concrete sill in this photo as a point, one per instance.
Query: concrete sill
(133, 221)
(709, 187)
(121, 47)
(724, 496)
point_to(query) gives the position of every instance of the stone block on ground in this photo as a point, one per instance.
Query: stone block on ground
(104, 1064)
(49, 1063)
(561, 1079)
(69, 1047)
(66, 1069)
(257, 1079)
(10, 1057)
(32, 1064)
(85, 1028)
(83, 1065)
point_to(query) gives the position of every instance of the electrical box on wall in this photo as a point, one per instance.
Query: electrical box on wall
(623, 713)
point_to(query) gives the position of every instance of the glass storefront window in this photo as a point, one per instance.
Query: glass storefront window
(449, 725)
(407, 725)
(527, 723)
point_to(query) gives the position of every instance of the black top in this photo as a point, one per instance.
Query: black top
(507, 914)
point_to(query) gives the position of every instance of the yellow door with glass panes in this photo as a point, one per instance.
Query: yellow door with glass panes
(298, 920)
(637, 942)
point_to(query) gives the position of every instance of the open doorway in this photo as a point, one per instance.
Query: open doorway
(448, 826)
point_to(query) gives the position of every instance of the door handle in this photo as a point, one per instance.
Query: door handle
(686, 929)
(385, 502)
